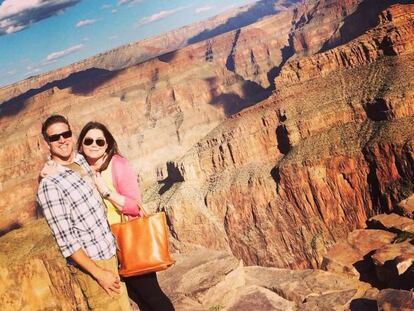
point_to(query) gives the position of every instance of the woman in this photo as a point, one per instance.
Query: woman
(117, 183)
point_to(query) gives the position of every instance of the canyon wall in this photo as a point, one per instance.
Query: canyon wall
(157, 110)
(332, 146)
(275, 177)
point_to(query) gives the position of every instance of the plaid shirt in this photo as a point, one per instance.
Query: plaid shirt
(75, 213)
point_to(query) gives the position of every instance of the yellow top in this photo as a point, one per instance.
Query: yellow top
(113, 214)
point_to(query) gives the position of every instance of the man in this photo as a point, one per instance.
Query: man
(76, 216)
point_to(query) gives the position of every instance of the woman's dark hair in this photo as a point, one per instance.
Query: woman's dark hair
(110, 140)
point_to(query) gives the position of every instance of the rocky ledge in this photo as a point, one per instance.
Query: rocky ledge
(372, 269)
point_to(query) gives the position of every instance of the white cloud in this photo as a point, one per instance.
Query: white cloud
(32, 69)
(13, 28)
(114, 11)
(131, 2)
(159, 15)
(203, 9)
(13, 7)
(8, 74)
(60, 54)
(85, 22)
(106, 6)
(48, 62)
(231, 6)
(15, 15)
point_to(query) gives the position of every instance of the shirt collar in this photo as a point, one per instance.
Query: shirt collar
(78, 158)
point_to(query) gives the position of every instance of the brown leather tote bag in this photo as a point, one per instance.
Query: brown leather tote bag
(142, 244)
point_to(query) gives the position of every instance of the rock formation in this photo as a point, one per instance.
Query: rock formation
(288, 177)
(35, 276)
(381, 254)
(269, 178)
(331, 147)
(167, 105)
(146, 49)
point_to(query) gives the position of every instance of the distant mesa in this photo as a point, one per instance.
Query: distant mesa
(143, 50)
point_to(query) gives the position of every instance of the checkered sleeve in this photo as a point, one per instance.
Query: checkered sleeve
(57, 214)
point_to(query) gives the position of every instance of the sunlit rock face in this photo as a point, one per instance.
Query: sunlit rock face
(274, 177)
(34, 276)
(158, 110)
(331, 147)
(33, 273)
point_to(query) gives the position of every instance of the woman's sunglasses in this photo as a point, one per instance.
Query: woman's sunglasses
(89, 141)
(56, 137)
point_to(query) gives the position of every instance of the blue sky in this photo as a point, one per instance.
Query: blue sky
(40, 35)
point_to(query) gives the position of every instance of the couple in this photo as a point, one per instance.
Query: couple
(81, 194)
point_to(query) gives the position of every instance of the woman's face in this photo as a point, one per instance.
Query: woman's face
(94, 144)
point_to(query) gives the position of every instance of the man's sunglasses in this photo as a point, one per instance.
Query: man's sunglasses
(89, 141)
(56, 137)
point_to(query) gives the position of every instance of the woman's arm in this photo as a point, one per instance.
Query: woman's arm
(127, 197)
(116, 199)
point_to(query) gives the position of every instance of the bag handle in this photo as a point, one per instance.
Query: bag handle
(145, 212)
(124, 218)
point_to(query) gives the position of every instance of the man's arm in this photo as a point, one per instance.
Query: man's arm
(108, 280)
(57, 215)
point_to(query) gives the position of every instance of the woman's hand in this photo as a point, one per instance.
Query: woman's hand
(116, 199)
(100, 184)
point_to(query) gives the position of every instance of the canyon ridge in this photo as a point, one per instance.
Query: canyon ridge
(266, 146)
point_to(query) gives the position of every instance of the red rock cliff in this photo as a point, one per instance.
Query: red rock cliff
(334, 145)
(277, 183)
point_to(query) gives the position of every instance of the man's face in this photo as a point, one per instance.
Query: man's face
(61, 150)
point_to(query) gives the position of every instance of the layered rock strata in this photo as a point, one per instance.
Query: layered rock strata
(332, 147)
(35, 276)
(315, 24)
(157, 110)
(146, 49)
(277, 183)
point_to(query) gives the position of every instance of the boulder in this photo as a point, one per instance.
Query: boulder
(350, 256)
(395, 300)
(394, 264)
(309, 289)
(392, 222)
(406, 207)
(203, 276)
(259, 298)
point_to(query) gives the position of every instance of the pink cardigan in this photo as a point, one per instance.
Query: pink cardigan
(126, 184)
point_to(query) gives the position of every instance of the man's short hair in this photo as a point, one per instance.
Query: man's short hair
(56, 118)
